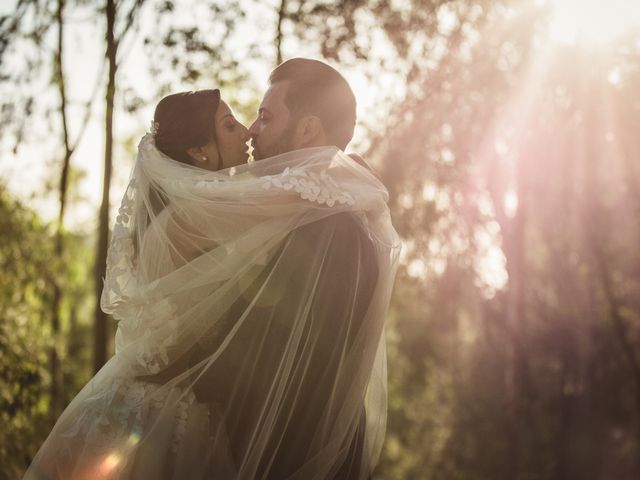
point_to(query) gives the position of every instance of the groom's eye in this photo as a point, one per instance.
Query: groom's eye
(264, 117)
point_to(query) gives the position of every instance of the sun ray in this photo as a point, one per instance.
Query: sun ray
(592, 22)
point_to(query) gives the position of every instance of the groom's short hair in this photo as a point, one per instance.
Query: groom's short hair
(318, 89)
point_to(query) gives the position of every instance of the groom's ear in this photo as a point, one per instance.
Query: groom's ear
(310, 132)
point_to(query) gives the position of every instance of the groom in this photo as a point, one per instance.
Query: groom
(310, 104)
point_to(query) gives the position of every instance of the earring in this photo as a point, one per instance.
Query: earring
(204, 159)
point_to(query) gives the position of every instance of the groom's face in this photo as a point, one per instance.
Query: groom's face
(273, 131)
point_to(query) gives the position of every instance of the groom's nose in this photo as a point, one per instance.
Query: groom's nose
(253, 129)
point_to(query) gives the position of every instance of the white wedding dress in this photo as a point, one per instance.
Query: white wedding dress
(250, 305)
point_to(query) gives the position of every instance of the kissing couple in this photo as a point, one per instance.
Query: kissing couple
(250, 299)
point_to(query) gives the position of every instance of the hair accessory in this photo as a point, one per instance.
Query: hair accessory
(155, 126)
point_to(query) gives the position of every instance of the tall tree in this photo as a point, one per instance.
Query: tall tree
(56, 374)
(43, 29)
(282, 13)
(113, 40)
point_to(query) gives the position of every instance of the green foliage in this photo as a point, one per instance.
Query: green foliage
(25, 261)
(28, 267)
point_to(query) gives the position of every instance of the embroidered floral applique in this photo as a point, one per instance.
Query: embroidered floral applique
(120, 257)
(315, 187)
(125, 410)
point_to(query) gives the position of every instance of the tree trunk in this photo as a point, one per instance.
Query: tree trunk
(517, 382)
(278, 40)
(101, 338)
(57, 383)
(514, 254)
(597, 239)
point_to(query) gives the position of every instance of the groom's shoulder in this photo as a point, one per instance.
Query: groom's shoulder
(345, 230)
(341, 224)
(362, 162)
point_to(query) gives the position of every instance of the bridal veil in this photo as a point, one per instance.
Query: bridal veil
(250, 305)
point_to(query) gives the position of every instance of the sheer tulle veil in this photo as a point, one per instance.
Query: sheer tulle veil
(250, 305)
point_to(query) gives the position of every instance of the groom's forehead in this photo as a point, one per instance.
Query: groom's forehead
(273, 99)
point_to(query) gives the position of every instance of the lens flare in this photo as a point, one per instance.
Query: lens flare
(109, 464)
(133, 439)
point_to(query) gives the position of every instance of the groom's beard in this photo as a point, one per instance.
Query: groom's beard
(283, 144)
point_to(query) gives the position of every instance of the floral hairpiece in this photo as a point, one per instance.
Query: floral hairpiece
(155, 126)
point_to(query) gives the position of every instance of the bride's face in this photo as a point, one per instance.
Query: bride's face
(230, 147)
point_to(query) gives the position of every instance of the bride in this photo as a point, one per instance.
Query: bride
(250, 300)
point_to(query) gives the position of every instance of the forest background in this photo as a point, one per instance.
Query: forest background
(508, 134)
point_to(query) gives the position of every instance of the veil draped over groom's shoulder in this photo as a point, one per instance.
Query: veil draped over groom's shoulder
(250, 305)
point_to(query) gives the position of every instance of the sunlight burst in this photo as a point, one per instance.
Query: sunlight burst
(592, 22)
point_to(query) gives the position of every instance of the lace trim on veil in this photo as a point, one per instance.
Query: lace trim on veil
(315, 187)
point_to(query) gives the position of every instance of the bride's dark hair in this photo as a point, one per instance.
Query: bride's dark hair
(185, 120)
(181, 121)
